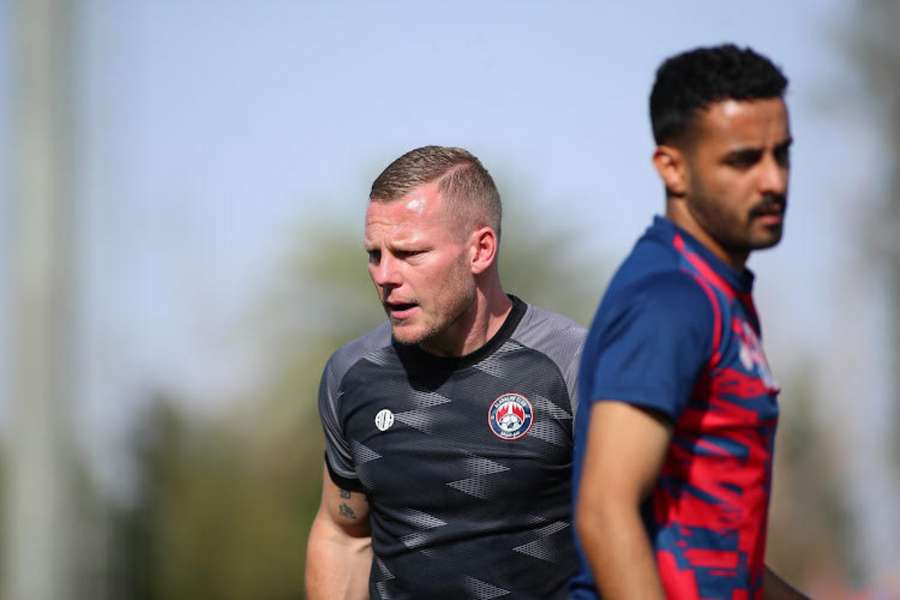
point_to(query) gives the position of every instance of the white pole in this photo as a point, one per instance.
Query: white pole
(39, 551)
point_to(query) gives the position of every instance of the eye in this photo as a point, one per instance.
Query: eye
(374, 256)
(743, 159)
(783, 156)
(406, 254)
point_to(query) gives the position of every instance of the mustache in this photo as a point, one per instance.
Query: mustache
(769, 205)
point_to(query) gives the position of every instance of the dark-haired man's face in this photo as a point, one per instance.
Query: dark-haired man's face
(737, 167)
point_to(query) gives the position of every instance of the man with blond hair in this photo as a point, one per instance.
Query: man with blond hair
(449, 428)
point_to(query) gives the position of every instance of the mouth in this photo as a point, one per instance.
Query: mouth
(769, 217)
(770, 214)
(399, 310)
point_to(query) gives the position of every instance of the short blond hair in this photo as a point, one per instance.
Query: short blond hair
(465, 184)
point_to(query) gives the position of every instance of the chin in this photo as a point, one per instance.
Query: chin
(405, 337)
(762, 238)
(408, 336)
(767, 242)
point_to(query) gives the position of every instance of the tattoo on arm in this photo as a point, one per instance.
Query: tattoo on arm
(346, 511)
(345, 493)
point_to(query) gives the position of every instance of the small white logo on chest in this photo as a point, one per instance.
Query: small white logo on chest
(384, 419)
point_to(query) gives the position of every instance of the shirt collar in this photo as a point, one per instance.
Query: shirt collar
(741, 281)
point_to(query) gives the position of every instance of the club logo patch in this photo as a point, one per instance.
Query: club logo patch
(510, 416)
(384, 419)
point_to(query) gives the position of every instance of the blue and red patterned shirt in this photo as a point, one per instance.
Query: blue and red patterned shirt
(677, 333)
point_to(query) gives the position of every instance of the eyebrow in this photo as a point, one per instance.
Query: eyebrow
(743, 154)
(402, 244)
(746, 151)
(785, 144)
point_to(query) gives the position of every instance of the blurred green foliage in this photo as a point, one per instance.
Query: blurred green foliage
(875, 47)
(810, 525)
(224, 505)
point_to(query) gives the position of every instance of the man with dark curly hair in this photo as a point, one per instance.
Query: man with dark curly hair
(677, 405)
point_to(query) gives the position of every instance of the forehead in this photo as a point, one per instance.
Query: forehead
(419, 212)
(755, 123)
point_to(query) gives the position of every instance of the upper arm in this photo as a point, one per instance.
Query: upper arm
(626, 447)
(640, 364)
(345, 510)
(339, 550)
(649, 345)
(338, 453)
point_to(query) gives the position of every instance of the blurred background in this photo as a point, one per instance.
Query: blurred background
(182, 188)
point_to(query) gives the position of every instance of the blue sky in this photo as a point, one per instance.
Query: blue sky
(211, 131)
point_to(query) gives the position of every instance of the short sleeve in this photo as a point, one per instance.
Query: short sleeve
(338, 453)
(650, 346)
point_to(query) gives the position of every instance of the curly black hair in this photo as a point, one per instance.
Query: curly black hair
(690, 81)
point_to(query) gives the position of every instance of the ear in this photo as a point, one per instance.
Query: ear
(672, 168)
(482, 249)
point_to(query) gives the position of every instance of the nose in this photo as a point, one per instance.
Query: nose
(774, 177)
(385, 273)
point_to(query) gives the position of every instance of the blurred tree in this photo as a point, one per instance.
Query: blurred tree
(809, 527)
(3, 538)
(875, 46)
(224, 505)
(870, 36)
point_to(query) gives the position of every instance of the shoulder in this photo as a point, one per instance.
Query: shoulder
(671, 294)
(550, 333)
(648, 345)
(368, 345)
(677, 289)
(539, 325)
(669, 303)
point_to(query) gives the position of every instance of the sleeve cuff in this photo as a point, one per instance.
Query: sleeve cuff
(345, 483)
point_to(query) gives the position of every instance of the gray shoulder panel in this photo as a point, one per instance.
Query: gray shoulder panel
(347, 355)
(337, 448)
(558, 337)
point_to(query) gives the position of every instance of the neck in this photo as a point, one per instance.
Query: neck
(679, 214)
(477, 325)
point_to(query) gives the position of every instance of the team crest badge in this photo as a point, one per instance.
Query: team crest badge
(751, 354)
(510, 416)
